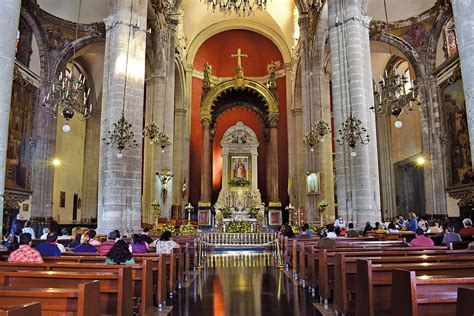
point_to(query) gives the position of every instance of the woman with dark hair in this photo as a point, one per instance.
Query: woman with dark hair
(119, 254)
(76, 242)
(138, 245)
(165, 244)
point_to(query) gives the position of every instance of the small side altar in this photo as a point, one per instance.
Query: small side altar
(239, 198)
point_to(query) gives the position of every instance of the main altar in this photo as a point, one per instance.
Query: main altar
(239, 198)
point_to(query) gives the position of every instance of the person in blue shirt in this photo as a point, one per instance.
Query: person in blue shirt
(412, 223)
(49, 248)
(309, 232)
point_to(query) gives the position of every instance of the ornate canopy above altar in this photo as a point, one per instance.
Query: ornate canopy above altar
(239, 174)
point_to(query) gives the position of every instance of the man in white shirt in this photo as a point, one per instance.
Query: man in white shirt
(45, 233)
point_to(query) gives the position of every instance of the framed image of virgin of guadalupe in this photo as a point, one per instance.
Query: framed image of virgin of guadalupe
(312, 183)
(240, 169)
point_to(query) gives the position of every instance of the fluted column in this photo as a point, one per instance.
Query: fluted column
(120, 178)
(273, 184)
(462, 10)
(206, 170)
(9, 19)
(357, 178)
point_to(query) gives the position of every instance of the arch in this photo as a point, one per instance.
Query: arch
(67, 53)
(227, 25)
(443, 18)
(207, 105)
(406, 49)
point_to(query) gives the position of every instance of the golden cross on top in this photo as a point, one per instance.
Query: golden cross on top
(239, 56)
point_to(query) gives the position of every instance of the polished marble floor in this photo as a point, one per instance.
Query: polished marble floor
(242, 284)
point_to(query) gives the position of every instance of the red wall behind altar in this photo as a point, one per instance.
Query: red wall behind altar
(217, 50)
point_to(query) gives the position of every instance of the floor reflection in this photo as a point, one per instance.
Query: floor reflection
(242, 284)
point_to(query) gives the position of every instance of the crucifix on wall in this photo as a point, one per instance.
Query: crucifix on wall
(164, 176)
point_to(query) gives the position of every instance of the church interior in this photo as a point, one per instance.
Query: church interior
(248, 138)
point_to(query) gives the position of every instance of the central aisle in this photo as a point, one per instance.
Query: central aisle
(242, 284)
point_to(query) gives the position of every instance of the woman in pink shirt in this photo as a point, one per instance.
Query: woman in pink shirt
(421, 240)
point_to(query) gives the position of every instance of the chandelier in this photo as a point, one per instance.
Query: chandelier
(391, 95)
(352, 133)
(320, 128)
(68, 94)
(122, 135)
(238, 7)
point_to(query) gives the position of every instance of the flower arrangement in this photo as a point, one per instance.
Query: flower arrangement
(322, 206)
(226, 212)
(168, 227)
(239, 182)
(253, 212)
(155, 209)
(238, 227)
(186, 229)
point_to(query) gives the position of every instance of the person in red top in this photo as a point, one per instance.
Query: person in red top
(104, 247)
(421, 240)
(25, 254)
(467, 230)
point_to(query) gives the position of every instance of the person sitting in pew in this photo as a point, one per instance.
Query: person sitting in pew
(165, 244)
(29, 229)
(331, 234)
(421, 240)
(352, 232)
(309, 231)
(45, 233)
(144, 236)
(367, 228)
(392, 228)
(434, 228)
(467, 230)
(119, 254)
(379, 228)
(64, 234)
(76, 242)
(50, 247)
(105, 247)
(85, 245)
(303, 232)
(25, 254)
(138, 245)
(450, 236)
(91, 233)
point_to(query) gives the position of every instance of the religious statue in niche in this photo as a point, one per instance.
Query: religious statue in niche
(164, 176)
(454, 109)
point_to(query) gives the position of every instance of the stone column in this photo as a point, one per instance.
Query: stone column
(120, 178)
(225, 170)
(9, 19)
(206, 164)
(357, 177)
(433, 175)
(462, 10)
(165, 118)
(273, 184)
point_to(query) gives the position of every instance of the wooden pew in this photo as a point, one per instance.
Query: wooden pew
(326, 263)
(465, 304)
(31, 309)
(80, 301)
(141, 276)
(345, 274)
(115, 288)
(375, 285)
(426, 295)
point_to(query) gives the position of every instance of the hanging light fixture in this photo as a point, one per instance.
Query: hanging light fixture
(352, 131)
(68, 94)
(238, 7)
(391, 94)
(320, 128)
(122, 135)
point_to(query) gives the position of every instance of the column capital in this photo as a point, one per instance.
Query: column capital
(273, 120)
(206, 122)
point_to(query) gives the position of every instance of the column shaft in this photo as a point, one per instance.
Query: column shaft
(120, 178)
(206, 163)
(9, 19)
(274, 194)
